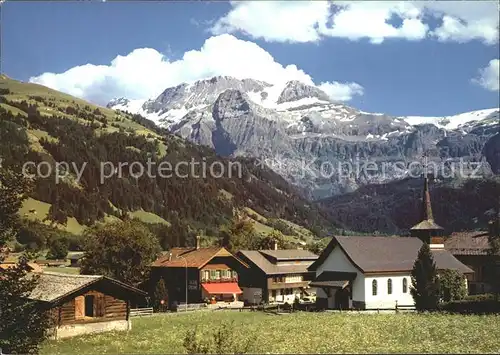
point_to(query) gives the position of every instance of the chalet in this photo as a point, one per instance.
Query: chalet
(374, 272)
(276, 276)
(81, 304)
(199, 274)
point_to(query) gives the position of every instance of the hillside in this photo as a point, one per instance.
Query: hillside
(41, 125)
(394, 207)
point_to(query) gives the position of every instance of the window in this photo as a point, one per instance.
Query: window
(212, 275)
(217, 274)
(374, 287)
(206, 275)
(389, 287)
(235, 274)
(405, 285)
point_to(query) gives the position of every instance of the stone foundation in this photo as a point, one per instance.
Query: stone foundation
(71, 330)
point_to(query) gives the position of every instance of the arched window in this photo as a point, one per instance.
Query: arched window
(374, 287)
(389, 286)
(405, 285)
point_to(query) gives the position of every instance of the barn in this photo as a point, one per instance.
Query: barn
(82, 304)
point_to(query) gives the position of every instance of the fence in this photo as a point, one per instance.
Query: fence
(139, 312)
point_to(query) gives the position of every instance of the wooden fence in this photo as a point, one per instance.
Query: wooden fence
(139, 312)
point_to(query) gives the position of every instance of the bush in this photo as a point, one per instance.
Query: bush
(484, 306)
(452, 285)
(58, 249)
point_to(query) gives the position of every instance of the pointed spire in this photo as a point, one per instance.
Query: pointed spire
(426, 203)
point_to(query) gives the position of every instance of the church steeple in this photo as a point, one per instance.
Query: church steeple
(427, 230)
(426, 203)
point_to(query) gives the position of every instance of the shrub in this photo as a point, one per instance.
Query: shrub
(452, 285)
(484, 306)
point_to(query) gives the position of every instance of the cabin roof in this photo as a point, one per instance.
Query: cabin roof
(387, 254)
(259, 259)
(53, 286)
(290, 254)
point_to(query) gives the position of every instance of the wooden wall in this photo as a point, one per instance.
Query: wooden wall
(109, 308)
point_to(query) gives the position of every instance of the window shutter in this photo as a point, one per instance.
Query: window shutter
(79, 307)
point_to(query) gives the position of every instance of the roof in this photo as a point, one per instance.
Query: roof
(34, 267)
(468, 243)
(53, 286)
(333, 279)
(290, 254)
(387, 254)
(222, 288)
(427, 224)
(191, 257)
(259, 259)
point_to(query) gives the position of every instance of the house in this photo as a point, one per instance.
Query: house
(199, 274)
(75, 258)
(276, 276)
(473, 249)
(32, 267)
(81, 304)
(365, 272)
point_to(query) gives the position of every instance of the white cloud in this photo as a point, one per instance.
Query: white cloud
(309, 21)
(144, 73)
(489, 76)
(341, 91)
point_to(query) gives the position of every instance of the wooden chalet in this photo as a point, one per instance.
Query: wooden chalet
(81, 304)
(276, 276)
(210, 274)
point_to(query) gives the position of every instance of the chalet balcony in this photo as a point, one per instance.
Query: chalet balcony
(281, 285)
(221, 280)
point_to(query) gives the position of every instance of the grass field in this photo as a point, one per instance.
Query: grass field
(300, 333)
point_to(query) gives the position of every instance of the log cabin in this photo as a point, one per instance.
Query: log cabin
(82, 304)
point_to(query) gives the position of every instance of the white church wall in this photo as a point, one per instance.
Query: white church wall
(383, 299)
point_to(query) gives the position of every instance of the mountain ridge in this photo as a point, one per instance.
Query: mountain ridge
(291, 123)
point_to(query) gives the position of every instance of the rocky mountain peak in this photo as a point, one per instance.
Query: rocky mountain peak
(231, 104)
(296, 90)
(118, 101)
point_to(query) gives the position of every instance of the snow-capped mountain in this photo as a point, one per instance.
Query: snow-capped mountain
(298, 131)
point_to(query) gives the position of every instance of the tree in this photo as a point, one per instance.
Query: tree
(58, 249)
(160, 294)
(122, 250)
(14, 188)
(239, 235)
(452, 285)
(425, 284)
(318, 247)
(22, 319)
(268, 241)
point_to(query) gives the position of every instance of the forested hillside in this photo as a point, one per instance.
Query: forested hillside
(393, 208)
(42, 125)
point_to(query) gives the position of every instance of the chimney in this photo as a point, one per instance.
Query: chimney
(275, 244)
(197, 242)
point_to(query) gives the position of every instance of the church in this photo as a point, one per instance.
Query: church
(364, 272)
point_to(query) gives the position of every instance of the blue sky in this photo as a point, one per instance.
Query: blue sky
(405, 71)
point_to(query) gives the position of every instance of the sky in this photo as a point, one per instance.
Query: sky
(400, 58)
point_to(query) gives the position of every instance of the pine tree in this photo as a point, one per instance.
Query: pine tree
(160, 294)
(425, 283)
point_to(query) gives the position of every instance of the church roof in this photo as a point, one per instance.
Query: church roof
(386, 254)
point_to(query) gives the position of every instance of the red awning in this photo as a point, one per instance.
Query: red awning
(222, 288)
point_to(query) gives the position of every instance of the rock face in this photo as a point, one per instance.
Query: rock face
(325, 147)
